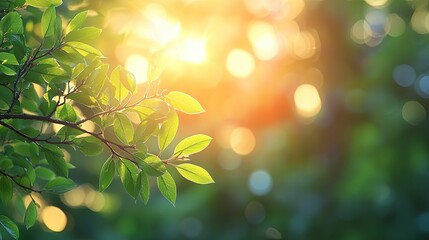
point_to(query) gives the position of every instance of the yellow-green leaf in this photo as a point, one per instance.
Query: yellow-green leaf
(77, 21)
(48, 21)
(83, 35)
(151, 164)
(192, 144)
(144, 185)
(123, 128)
(194, 173)
(168, 130)
(184, 102)
(167, 187)
(44, 3)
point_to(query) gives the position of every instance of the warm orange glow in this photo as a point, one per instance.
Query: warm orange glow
(304, 45)
(307, 100)
(158, 26)
(138, 66)
(264, 40)
(54, 218)
(192, 50)
(242, 141)
(240, 63)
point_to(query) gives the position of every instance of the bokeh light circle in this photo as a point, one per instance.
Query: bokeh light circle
(260, 182)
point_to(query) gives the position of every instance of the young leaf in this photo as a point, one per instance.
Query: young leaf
(167, 187)
(192, 144)
(6, 187)
(145, 188)
(151, 164)
(44, 3)
(194, 173)
(30, 215)
(106, 174)
(48, 22)
(123, 128)
(60, 185)
(9, 226)
(168, 130)
(55, 158)
(184, 102)
(77, 21)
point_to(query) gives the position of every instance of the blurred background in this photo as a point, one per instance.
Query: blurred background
(318, 111)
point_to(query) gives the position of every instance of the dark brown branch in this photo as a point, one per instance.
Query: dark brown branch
(13, 178)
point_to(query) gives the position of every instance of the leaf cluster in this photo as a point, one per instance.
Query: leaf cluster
(51, 93)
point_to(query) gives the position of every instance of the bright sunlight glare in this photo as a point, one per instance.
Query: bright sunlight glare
(264, 41)
(138, 66)
(240, 63)
(192, 50)
(307, 100)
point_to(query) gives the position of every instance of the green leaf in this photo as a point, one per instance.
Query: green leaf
(192, 144)
(66, 112)
(77, 21)
(83, 47)
(44, 3)
(30, 215)
(153, 108)
(11, 24)
(44, 173)
(145, 188)
(83, 35)
(9, 226)
(184, 102)
(128, 172)
(5, 163)
(6, 187)
(60, 185)
(168, 130)
(18, 42)
(145, 130)
(8, 58)
(48, 22)
(194, 173)
(151, 164)
(167, 187)
(123, 82)
(7, 70)
(123, 128)
(90, 146)
(55, 158)
(106, 174)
